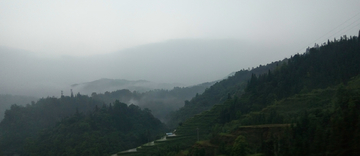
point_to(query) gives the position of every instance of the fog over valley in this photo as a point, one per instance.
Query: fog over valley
(175, 62)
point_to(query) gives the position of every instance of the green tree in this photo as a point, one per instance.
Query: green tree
(240, 146)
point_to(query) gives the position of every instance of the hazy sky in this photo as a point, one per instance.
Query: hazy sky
(88, 27)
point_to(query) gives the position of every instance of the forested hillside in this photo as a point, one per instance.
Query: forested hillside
(322, 66)
(312, 100)
(21, 122)
(218, 93)
(102, 132)
(30, 129)
(7, 100)
(29, 126)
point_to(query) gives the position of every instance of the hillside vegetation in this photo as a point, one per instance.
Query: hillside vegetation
(21, 122)
(216, 94)
(7, 100)
(314, 98)
(101, 132)
(78, 125)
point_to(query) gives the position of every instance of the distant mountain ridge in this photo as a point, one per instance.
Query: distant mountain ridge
(187, 61)
(109, 85)
(122, 81)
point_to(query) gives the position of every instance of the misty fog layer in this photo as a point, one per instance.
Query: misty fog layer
(187, 61)
(108, 85)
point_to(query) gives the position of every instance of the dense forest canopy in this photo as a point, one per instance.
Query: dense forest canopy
(21, 122)
(218, 93)
(7, 100)
(104, 131)
(29, 129)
